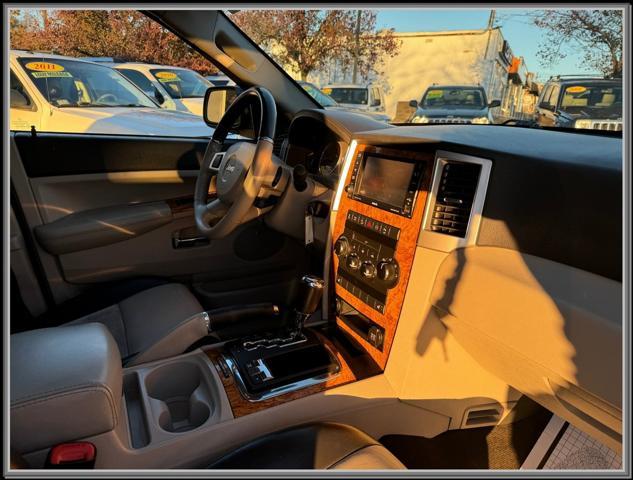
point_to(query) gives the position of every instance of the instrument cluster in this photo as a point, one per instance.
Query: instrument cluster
(312, 144)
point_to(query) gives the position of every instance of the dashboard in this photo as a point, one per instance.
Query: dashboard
(530, 224)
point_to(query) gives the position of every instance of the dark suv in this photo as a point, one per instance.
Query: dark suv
(581, 102)
(453, 104)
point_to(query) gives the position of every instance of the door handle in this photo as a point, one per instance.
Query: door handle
(189, 242)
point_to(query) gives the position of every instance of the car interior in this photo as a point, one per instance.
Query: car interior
(310, 288)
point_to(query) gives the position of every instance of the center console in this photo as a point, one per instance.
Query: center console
(375, 234)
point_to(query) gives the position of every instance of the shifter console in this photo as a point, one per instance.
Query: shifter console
(278, 362)
(263, 373)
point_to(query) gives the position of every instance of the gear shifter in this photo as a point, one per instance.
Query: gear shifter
(306, 301)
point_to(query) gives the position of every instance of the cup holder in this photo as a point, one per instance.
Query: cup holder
(182, 397)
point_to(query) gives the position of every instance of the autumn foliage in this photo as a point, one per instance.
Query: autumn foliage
(304, 39)
(308, 39)
(125, 34)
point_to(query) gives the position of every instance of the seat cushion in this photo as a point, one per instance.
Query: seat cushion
(142, 320)
(312, 446)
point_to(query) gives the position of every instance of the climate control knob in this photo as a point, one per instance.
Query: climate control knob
(368, 270)
(341, 246)
(388, 271)
(353, 262)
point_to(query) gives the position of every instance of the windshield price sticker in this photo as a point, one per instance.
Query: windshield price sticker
(51, 75)
(576, 89)
(44, 67)
(167, 76)
(327, 91)
(434, 94)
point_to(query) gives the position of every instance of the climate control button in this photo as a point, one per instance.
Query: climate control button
(353, 262)
(341, 246)
(368, 270)
(388, 271)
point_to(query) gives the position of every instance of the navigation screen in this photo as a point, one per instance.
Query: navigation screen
(385, 181)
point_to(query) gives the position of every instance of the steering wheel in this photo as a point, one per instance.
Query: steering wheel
(105, 96)
(245, 167)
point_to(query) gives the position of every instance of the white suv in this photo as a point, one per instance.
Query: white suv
(53, 93)
(174, 88)
(366, 98)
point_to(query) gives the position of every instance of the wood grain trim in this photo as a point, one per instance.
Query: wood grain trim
(405, 251)
(184, 204)
(242, 406)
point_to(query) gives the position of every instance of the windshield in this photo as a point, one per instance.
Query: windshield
(453, 98)
(318, 95)
(354, 96)
(182, 83)
(590, 99)
(390, 63)
(69, 83)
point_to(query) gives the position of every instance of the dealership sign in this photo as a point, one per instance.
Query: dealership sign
(506, 53)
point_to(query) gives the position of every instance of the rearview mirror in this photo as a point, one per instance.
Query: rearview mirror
(216, 102)
(494, 104)
(413, 103)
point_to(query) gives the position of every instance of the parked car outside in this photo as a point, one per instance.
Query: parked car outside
(581, 102)
(453, 104)
(53, 93)
(174, 88)
(367, 99)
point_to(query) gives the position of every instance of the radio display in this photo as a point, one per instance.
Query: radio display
(385, 181)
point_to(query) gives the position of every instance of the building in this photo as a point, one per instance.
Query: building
(463, 57)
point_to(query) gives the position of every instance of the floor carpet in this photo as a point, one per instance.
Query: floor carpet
(504, 446)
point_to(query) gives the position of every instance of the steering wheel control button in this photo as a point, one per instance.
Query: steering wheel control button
(216, 161)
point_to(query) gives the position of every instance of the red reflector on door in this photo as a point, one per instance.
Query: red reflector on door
(79, 452)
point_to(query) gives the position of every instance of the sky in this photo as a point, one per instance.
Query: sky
(522, 37)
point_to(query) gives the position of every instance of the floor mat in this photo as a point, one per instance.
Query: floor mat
(504, 446)
(572, 449)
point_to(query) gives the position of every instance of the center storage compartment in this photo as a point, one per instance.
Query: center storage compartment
(180, 395)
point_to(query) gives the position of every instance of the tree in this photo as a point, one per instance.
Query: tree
(366, 50)
(307, 40)
(598, 33)
(124, 34)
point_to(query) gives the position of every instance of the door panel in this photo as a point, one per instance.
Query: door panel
(125, 204)
(58, 196)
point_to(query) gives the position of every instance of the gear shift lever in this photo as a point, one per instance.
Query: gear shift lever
(306, 301)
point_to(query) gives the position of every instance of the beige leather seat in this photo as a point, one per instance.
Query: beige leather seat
(321, 446)
(156, 323)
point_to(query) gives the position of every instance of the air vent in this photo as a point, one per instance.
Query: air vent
(455, 196)
(482, 416)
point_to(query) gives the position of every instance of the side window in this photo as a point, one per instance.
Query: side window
(19, 97)
(545, 97)
(140, 80)
(376, 97)
(553, 99)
